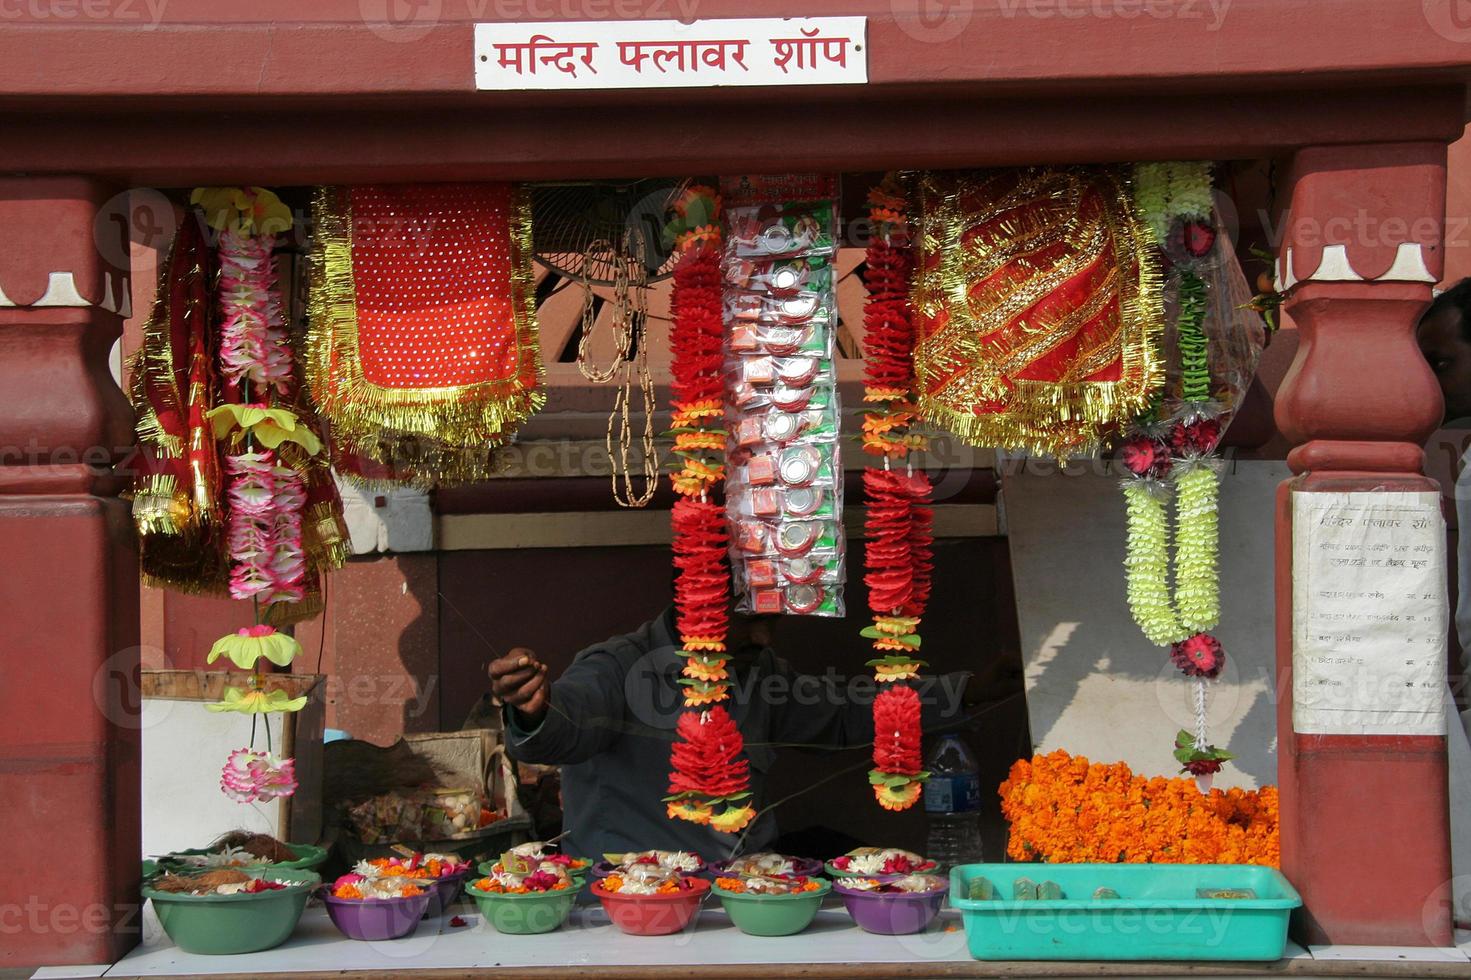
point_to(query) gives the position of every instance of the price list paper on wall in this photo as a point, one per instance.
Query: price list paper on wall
(514, 56)
(1369, 615)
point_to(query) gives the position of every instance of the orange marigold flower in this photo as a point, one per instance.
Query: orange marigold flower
(694, 696)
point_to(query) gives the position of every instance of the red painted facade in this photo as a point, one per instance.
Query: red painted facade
(1356, 99)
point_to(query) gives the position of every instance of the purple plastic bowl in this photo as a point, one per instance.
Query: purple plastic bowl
(891, 913)
(374, 919)
(444, 892)
(604, 868)
(801, 867)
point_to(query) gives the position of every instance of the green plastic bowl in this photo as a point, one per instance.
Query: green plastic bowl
(773, 915)
(526, 914)
(223, 925)
(312, 857)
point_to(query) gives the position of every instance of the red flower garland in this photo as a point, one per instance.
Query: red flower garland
(898, 525)
(708, 760)
(707, 768)
(896, 754)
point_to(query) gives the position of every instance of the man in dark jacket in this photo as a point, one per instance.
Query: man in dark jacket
(609, 721)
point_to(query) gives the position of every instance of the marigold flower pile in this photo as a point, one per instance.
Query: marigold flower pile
(738, 885)
(1064, 809)
(614, 883)
(537, 881)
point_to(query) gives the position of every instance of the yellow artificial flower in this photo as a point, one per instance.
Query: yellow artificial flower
(257, 702)
(689, 810)
(733, 820)
(250, 643)
(896, 797)
(246, 210)
(270, 426)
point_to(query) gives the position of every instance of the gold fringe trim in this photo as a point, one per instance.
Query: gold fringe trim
(966, 294)
(324, 537)
(434, 435)
(160, 506)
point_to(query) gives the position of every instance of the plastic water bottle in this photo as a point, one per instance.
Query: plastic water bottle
(952, 801)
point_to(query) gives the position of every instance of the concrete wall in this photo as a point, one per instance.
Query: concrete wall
(1095, 686)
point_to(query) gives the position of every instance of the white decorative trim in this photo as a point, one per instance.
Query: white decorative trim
(1409, 265)
(1285, 279)
(61, 290)
(1334, 266)
(107, 303)
(124, 297)
(5, 300)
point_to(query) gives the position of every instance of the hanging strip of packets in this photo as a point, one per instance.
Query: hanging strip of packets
(785, 478)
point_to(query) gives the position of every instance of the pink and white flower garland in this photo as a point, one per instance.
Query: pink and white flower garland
(266, 503)
(251, 776)
(253, 341)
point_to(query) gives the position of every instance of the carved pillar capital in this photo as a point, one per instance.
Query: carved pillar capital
(64, 293)
(1362, 248)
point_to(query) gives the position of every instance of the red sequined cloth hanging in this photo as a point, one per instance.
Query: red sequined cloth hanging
(423, 344)
(178, 494)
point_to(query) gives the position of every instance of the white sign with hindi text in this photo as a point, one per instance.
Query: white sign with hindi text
(669, 54)
(1369, 616)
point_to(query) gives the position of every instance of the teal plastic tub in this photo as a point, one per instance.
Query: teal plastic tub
(1158, 915)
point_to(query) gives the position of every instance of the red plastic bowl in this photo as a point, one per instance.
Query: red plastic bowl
(654, 915)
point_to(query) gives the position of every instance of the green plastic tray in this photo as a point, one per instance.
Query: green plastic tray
(1157, 916)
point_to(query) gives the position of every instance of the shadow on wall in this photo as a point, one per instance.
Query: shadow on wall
(1095, 686)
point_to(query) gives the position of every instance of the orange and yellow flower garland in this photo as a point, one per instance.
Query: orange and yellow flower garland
(898, 553)
(1064, 809)
(710, 777)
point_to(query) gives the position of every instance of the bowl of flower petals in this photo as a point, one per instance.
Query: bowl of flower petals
(893, 907)
(767, 865)
(647, 900)
(879, 862)
(224, 911)
(684, 862)
(530, 899)
(372, 909)
(439, 874)
(542, 855)
(763, 906)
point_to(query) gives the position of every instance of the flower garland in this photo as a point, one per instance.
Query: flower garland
(250, 776)
(898, 524)
(1176, 460)
(270, 458)
(1167, 192)
(710, 778)
(1063, 808)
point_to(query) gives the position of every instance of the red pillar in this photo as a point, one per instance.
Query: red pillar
(1365, 823)
(69, 795)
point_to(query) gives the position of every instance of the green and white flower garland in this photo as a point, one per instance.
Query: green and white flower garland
(1176, 460)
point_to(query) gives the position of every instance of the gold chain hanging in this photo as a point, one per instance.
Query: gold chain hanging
(622, 336)
(631, 315)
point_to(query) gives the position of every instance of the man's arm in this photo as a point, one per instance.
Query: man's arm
(563, 722)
